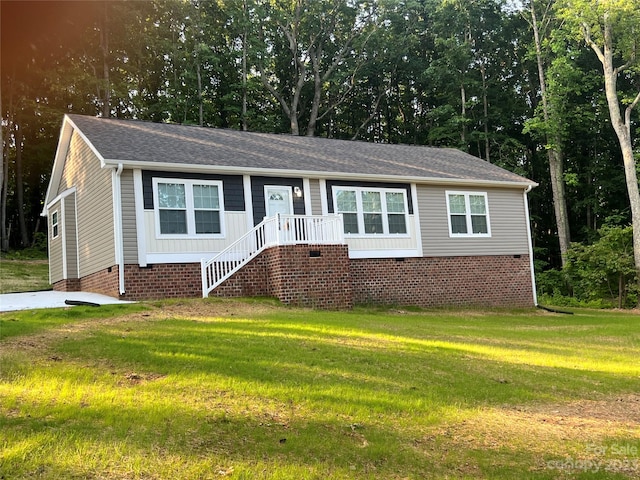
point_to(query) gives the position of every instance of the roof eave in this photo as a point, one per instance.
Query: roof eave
(182, 167)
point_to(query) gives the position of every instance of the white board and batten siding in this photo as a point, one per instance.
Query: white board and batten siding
(94, 203)
(177, 250)
(385, 246)
(506, 215)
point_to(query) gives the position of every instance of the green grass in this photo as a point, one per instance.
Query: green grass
(23, 275)
(35, 321)
(245, 390)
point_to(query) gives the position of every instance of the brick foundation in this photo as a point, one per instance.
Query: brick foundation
(310, 275)
(305, 275)
(104, 282)
(323, 276)
(497, 280)
(68, 285)
(162, 280)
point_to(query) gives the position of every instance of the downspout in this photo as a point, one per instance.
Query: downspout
(533, 273)
(117, 224)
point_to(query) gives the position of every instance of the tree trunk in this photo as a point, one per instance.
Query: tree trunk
(22, 224)
(3, 206)
(244, 66)
(4, 166)
(463, 113)
(554, 154)
(622, 127)
(104, 46)
(315, 106)
(200, 109)
(485, 104)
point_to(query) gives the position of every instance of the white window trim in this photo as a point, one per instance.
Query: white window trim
(55, 232)
(190, 209)
(470, 233)
(384, 213)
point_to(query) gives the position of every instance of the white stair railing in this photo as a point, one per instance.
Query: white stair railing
(272, 231)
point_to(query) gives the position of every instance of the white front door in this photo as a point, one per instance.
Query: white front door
(278, 200)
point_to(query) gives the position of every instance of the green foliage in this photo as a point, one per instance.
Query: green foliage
(558, 299)
(553, 283)
(605, 269)
(421, 72)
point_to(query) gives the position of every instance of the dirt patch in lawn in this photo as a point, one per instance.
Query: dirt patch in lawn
(581, 430)
(195, 309)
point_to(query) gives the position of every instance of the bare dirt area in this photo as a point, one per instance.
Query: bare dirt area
(601, 433)
(193, 309)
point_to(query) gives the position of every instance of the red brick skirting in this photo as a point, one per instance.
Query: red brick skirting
(323, 276)
(497, 280)
(162, 280)
(104, 282)
(306, 275)
(68, 285)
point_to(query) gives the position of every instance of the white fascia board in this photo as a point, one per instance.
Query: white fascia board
(90, 145)
(64, 194)
(58, 162)
(64, 140)
(273, 172)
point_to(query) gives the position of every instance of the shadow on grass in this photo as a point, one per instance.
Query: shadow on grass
(301, 398)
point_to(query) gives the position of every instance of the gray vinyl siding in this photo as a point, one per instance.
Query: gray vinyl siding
(55, 245)
(129, 233)
(70, 236)
(506, 216)
(316, 197)
(96, 244)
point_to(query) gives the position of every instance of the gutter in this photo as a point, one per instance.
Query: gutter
(274, 172)
(530, 244)
(117, 225)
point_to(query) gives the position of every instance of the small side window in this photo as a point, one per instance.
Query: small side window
(54, 224)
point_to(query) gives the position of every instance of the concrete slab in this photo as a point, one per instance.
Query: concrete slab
(50, 299)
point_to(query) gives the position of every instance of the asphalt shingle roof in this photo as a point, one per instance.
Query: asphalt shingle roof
(137, 141)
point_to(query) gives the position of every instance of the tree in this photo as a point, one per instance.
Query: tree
(604, 269)
(307, 43)
(550, 124)
(610, 29)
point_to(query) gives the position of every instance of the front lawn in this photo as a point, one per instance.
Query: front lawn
(23, 275)
(252, 390)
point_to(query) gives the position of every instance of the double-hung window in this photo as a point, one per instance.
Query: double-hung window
(372, 211)
(190, 208)
(54, 224)
(468, 214)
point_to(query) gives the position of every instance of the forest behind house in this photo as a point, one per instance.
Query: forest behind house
(547, 89)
